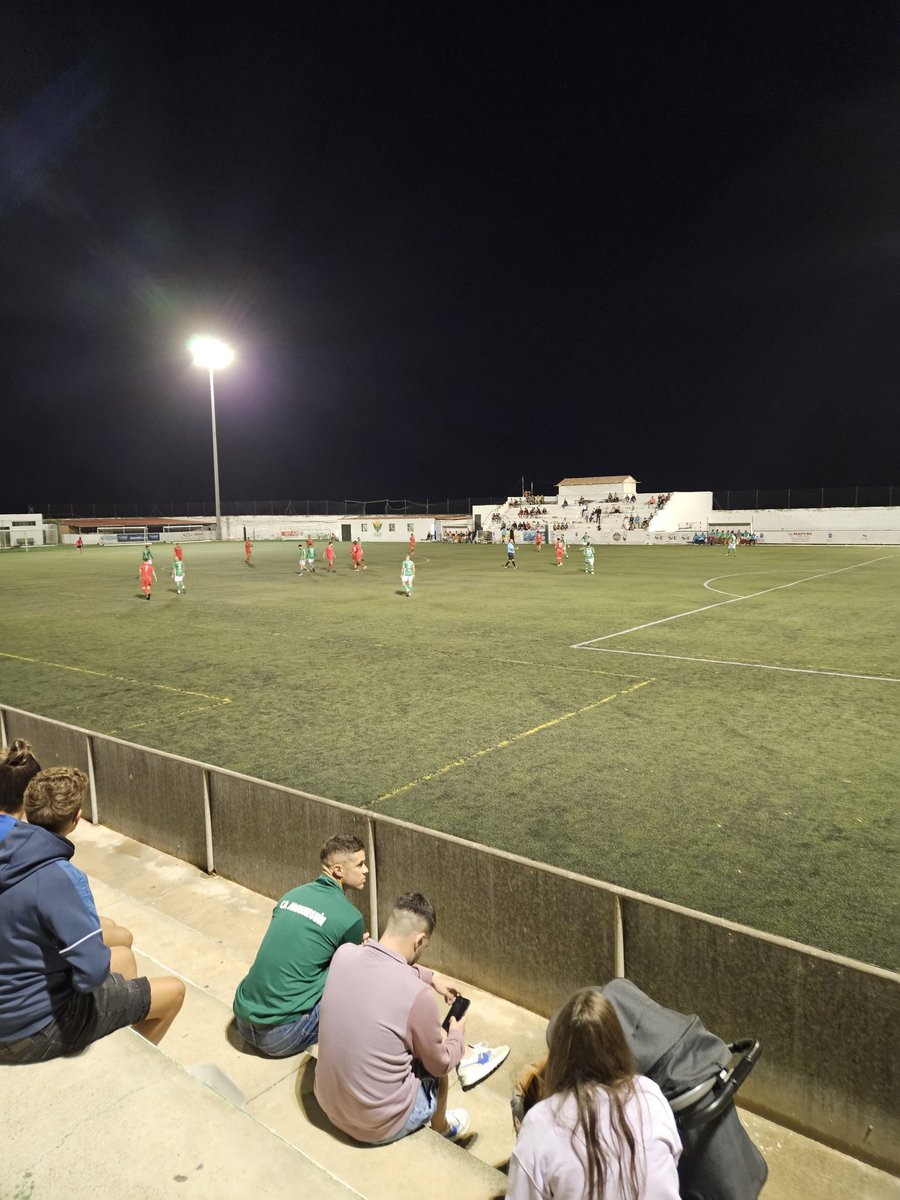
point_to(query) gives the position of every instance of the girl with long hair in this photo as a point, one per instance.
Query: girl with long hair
(601, 1131)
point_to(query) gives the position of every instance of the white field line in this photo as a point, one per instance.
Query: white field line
(730, 662)
(734, 575)
(721, 603)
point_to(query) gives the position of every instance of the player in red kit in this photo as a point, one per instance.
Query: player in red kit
(148, 577)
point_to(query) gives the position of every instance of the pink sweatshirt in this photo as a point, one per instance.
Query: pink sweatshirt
(378, 1015)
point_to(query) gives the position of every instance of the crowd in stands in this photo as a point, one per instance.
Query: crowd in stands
(68, 978)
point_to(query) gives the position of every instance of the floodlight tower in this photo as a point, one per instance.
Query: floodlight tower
(212, 354)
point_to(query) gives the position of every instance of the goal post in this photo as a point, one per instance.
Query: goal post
(186, 533)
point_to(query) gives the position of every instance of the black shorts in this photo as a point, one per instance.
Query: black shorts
(86, 1017)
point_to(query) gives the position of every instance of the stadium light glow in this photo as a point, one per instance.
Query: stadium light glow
(212, 355)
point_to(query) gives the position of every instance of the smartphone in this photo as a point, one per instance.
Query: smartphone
(456, 1011)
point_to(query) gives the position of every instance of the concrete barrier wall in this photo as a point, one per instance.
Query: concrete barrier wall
(153, 798)
(531, 933)
(268, 838)
(54, 745)
(828, 1026)
(518, 930)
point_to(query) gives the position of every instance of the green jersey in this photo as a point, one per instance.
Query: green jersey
(288, 976)
(178, 569)
(310, 554)
(408, 570)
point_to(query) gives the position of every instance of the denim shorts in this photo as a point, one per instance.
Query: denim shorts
(281, 1041)
(422, 1112)
(85, 1018)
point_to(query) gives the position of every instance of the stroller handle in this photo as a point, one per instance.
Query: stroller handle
(728, 1080)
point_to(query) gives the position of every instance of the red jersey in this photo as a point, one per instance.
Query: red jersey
(178, 553)
(329, 552)
(146, 574)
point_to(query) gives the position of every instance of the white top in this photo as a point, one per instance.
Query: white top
(545, 1165)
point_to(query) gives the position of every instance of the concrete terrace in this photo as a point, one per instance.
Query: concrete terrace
(203, 1116)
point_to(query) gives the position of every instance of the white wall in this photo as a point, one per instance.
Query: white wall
(18, 527)
(817, 526)
(369, 530)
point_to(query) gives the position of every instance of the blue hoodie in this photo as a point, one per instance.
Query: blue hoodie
(50, 939)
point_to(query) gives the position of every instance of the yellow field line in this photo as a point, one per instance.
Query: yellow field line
(162, 687)
(516, 737)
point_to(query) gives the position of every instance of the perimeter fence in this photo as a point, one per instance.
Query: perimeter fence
(60, 510)
(723, 501)
(791, 497)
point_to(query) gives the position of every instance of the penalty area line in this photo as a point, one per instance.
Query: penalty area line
(510, 741)
(590, 642)
(731, 662)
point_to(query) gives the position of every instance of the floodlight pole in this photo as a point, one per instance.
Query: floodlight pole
(212, 408)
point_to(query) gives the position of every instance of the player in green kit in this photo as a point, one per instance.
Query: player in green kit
(407, 575)
(310, 556)
(178, 575)
(588, 559)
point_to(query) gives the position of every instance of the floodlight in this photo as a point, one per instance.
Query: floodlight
(210, 353)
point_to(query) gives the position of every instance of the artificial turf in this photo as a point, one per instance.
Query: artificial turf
(764, 796)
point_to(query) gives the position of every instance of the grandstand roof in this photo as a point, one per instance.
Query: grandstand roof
(593, 479)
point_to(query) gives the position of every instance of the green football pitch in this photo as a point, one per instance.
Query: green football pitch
(718, 731)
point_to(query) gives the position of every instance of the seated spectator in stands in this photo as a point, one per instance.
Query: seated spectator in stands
(602, 1129)
(18, 767)
(276, 1006)
(61, 987)
(384, 1059)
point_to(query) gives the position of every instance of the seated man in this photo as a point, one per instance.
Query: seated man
(383, 1056)
(57, 991)
(277, 1005)
(18, 767)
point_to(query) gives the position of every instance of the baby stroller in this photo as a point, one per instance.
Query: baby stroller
(699, 1075)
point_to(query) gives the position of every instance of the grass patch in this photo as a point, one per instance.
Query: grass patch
(764, 796)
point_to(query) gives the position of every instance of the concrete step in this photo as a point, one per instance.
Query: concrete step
(123, 1119)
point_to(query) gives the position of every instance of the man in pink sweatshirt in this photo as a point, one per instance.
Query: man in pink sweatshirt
(383, 1057)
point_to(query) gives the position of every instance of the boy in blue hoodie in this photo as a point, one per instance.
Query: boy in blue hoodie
(57, 992)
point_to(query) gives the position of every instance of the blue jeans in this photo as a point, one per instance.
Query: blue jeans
(422, 1112)
(281, 1041)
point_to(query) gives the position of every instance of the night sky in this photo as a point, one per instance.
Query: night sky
(452, 245)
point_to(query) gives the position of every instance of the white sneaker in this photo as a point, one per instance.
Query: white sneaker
(457, 1124)
(478, 1064)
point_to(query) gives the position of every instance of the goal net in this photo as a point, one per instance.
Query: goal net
(186, 533)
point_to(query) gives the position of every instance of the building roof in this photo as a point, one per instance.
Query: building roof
(118, 522)
(593, 479)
